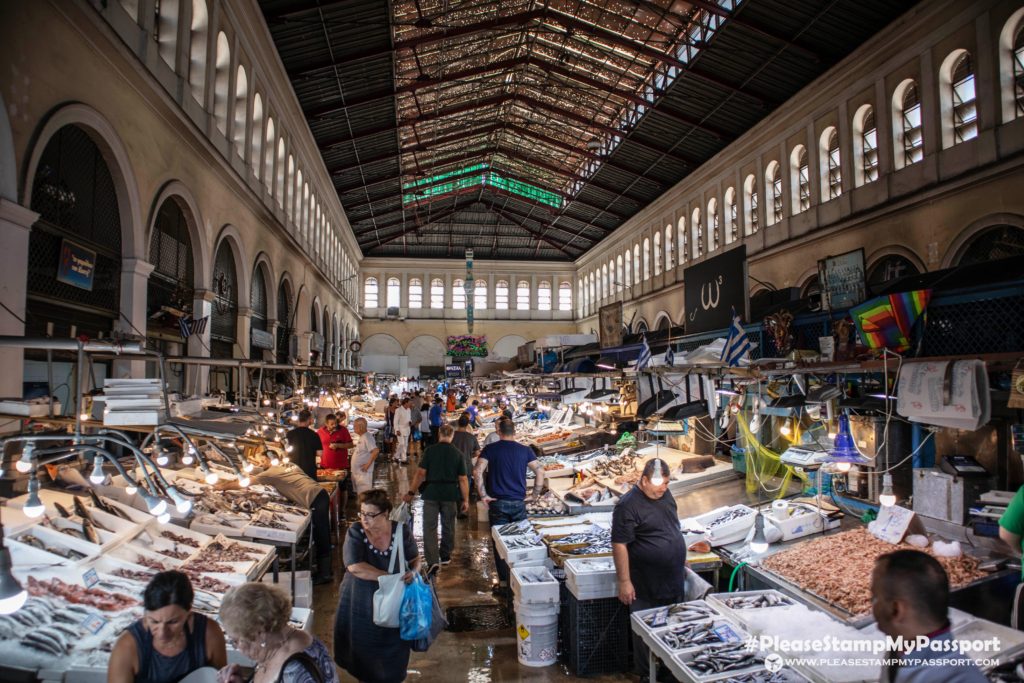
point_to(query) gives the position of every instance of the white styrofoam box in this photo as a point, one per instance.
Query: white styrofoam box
(610, 590)
(683, 659)
(719, 601)
(146, 418)
(591, 578)
(542, 591)
(303, 586)
(28, 408)
(729, 532)
(521, 556)
(643, 615)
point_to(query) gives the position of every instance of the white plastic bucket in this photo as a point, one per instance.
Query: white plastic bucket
(537, 637)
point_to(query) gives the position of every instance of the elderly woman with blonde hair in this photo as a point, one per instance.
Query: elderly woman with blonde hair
(255, 620)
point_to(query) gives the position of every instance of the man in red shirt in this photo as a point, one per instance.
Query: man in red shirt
(336, 442)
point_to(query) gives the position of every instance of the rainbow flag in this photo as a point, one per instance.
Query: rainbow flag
(887, 321)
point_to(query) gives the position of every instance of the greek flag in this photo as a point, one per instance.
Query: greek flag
(187, 326)
(737, 346)
(670, 356)
(644, 359)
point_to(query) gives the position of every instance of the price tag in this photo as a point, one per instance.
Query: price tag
(90, 578)
(94, 623)
(892, 523)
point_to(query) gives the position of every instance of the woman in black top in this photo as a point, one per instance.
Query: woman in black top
(170, 641)
(368, 652)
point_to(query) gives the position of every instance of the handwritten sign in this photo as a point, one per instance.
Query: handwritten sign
(842, 280)
(892, 523)
(77, 265)
(713, 288)
(90, 578)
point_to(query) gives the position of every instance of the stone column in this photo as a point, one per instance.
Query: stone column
(15, 224)
(197, 377)
(135, 274)
(242, 335)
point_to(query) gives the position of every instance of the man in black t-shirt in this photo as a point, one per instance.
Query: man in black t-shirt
(648, 547)
(304, 445)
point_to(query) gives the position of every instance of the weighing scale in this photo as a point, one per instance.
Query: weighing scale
(962, 466)
(803, 457)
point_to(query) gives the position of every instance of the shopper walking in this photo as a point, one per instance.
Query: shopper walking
(446, 490)
(452, 404)
(465, 442)
(436, 418)
(370, 653)
(500, 477)
(363, 458)
(648, 548)
(417, 434)
(403, 431)
(305, 445)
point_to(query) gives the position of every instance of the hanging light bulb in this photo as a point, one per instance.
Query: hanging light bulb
(275, 461)
(164, 518)
(156, 506)
(657, 478)
(887, 498)
(131, 489)
(181, 503)
(244, 482)
(785, 429)
(33, 506)
(98, 476)
(187, 458)
(755, 422)
(759, 544)
(247, 468)
(26, 463)
(84, 416)
(212, 477)
(271, 414)
(288, 448)
(12, 595)
(162, 458)
(266, 401)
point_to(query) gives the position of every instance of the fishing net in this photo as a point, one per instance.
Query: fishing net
(764, 466)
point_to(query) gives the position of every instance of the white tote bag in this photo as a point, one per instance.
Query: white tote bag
(387, 600)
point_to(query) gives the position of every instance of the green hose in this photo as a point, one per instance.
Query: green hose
(732, 577)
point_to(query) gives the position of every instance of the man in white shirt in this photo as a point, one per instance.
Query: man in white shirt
(403, 430)
(363, 457)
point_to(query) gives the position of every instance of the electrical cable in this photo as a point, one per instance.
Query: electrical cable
(732, 577)
(13, 314)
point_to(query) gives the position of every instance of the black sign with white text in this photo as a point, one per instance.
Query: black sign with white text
(713, 288)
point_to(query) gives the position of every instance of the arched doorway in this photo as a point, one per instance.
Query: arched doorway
(258, 306)
(224, 318)
(285, 316)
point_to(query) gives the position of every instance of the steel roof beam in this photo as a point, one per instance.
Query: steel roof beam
(712, 8)
(562, 247)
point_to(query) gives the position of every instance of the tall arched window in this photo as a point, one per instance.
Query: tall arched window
(241, 107)
(565, 295)
(197, 36)
(657, 252)
(647, 258)
(394, 292)
(224, 315)
(371, 292)
(605, 289)
(593, 292)
(166, 30)
(670, 255)
(712, 225)
(620, 282)
(773, 193)
(258, 296)
(501, 295)
(799, 180)
(636, 264)
(279, 179)
(731, 225)
(964, 99)
(289, 189)
(480, 294)
(865, 146)
(681, 240)
(437, 293)
(459, 294)
(581, 300)
(750, 208)
(256, 154)
(170, 252)
(415, 293)
(832, 175)
(696, 235)
(222, 83)
(906, 123)
(627, 270)
(523, 295)
(544, 296)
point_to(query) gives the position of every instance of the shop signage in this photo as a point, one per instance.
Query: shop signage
(453, 371)
(842, 280)
(261, 339)
(316, 342)
(77, 265)
(610, 324)
(714, 288)
(467, 345)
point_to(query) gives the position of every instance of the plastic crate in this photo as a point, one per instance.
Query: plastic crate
(597, 637)
(534, 592)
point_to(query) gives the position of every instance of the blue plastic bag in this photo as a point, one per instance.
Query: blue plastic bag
(416, 615)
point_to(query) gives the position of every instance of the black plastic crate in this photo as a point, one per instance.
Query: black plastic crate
(597, 637)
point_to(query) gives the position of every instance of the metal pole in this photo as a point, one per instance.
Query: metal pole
(42, 343)
(78, 387)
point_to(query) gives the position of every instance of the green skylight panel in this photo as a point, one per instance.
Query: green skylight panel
(438, 185)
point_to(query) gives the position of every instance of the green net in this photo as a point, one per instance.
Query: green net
(764, 466)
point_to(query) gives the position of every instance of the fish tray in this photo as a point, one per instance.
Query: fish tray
(727, 632)
(785, 675)
(719, 600)
(729, 532)
(588, 584)
(646, 630)
(534, 592)
(559, 555)
(530, 556)
(684, 660)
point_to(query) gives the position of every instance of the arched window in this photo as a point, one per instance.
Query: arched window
(222, 82)
(258, 296)
(415, 293)
(670, 255)
(437, 293)
(657, 252)
(828, 152)
(605, 290)
(712, 225)
(593, 291)
(799, 180)
(370, 293)
(696, 235)
(636, 264)
(256, 154)
(544, 296)
(501, 295)
(865, 146)
(241, 107)
(198, 35)
(647, 258)
(523, 295)
(166, 30)
(170, 252)
(681, 240)
(750, 219)
(1011, 66)
(279, 180)
(906, 123)
(992, 244)
(480, 294)
(731, 224)
(224, 315)
(285, 318)
(889, 269)
(581, 300)
(964, 99)
(773, 193)
(565, 295)
(289, 189)
(459, 294)
(627, 270)
(394, 292)
(620, 282)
